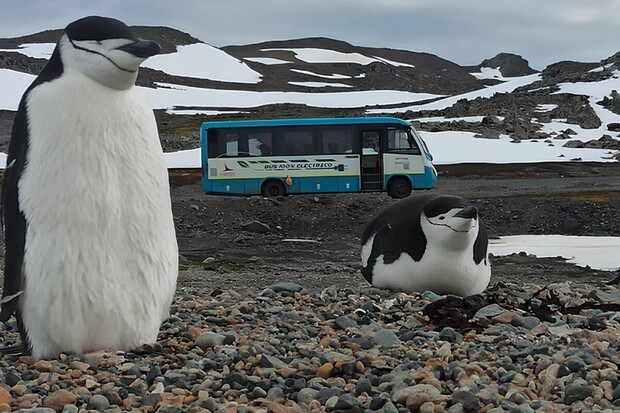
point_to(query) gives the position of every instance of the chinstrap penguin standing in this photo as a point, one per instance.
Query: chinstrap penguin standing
(91, 255)
(427, 242)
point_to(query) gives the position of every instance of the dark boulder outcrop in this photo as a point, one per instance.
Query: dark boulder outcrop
(509, 65)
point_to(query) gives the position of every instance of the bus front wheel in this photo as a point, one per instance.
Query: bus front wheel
(272, 189)
(399, 187)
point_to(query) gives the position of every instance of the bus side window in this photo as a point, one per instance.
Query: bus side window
(232, 144)
(259, 144)
(296, 142)
(336, 141)
(213, 147)
(401, 141)
(370, 142)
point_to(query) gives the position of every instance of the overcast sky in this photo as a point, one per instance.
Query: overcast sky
(463, 31)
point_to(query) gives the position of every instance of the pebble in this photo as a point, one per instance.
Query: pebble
(386, 338)
(209, 339)
(355, 350)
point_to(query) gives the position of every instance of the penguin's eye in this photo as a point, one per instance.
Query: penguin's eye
(441, 218)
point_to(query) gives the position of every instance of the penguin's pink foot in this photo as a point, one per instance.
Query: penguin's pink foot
(105, 358)
(148, 348)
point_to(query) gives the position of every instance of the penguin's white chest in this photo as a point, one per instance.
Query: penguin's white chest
(441, 270)
(101, 256)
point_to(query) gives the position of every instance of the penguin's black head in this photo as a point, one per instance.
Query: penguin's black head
(449, 212)
(104, 49)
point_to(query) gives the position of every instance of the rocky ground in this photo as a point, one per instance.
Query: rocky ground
(266, 322)
(314, 238)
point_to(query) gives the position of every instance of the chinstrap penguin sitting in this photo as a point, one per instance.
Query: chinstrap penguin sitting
(427, 242)
(91, 254)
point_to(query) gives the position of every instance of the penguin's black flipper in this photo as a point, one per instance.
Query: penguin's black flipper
(13, 220)
(14, 350)
(380, 246)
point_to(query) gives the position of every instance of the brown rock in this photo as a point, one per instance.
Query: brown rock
(5, 407)
(325, 371)
(78, 365)
(59, 399)
(43, 366)
(5, 396)
(506, 317)
(170, 400)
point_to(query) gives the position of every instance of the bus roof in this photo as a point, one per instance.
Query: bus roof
(302, 122)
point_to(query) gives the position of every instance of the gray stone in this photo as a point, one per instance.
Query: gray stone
(345, 402)
(386, 338)
(276, 393)
(258, 393)
(575, 363)
(431, 296)
(389, 408)
(525, 322)
(490, 311)
(307, 395)
(271, 361)
(606, 296)
(70, 408)
(330, 404)
(467, 399)
(456, 408)
(38, 410)
(363, 386)
(329, 392)
(344, 322)
(99, 402)
(286, 287)
(576, 391)
(516, 408)
(255, 226)
(448, 334)
(209, 340)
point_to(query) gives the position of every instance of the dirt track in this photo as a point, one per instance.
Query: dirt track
(578, 198)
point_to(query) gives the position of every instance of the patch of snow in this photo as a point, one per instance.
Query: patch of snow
(266, 60)
(472, 119)
(452, 147)
(601, 68)
(35, 50)
(334, 76)
(545, 107)
(202, 61)
(392, 62)
(183, 159)
(169, 96)
(488, 73)
(316, 55)
(14, 84)
(596, 252)
(319, 84)
(508, 86)
(208, 112)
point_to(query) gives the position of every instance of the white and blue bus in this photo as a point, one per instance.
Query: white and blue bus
(301, 156)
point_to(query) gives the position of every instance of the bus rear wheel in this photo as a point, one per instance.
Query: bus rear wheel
(399, 187)
(272, 189)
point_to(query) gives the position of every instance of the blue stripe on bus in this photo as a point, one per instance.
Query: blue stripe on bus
(302, 122)
(252, 186)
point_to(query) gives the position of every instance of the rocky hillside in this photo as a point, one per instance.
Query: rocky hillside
(283, 67)
(390, 69)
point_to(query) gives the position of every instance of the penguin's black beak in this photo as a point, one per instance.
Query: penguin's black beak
(142, 48)
(469, 212)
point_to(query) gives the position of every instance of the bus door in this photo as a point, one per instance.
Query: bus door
(371, 165)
